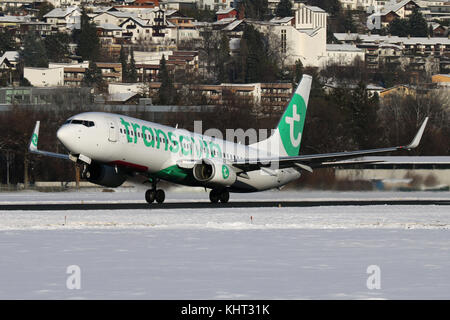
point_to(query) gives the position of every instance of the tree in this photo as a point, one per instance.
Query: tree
(417, 24)
(132, 72)
(123, 58)
(223, 58)
(399, 27)
(57, 46)
(6, 41)
(33, 53)
(255, 9)
(93, 77)
(166, 92)
(44, 8)
(256, 62)
(88, 41)
(284, 9)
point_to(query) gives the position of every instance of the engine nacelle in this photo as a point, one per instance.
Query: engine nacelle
(105, 175)
(215, 173)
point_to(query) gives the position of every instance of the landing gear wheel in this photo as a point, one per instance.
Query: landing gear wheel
(150, 195)
(160, 196)
(214, 196)
(224, 196)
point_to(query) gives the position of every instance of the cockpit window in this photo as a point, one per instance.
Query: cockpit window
(83, 122)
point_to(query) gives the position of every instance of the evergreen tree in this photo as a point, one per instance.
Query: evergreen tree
(88, 41)
(298, 72)
(166, 92)
(363, 119)
(57, 46)
(6, 41)
(132, 72)
(33, 53)
(399, 27)
(93, 77)
(284, 9)
(255, 9)
(44, 8)
(123, 58)
(417, 24)
(223, 57)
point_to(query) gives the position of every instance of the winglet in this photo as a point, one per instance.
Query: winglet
(34, 142)
(34, 138)
(415, 142)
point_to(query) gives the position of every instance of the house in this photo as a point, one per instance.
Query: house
(112, 17)
(69, 17)
(137, 30)
(226, 13)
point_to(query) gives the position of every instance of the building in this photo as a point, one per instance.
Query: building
(343, 54)
(442, 80)
(302, 37)
(44, 77)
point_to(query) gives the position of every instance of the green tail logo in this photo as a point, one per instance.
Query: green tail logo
(291, 125)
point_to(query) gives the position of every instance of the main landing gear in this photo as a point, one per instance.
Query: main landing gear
(217, 195)
(154, 194)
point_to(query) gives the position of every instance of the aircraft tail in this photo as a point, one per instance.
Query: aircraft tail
(287, 137)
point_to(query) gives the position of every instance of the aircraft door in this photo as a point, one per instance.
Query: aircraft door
(113, 130)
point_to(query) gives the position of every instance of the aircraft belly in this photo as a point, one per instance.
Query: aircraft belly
(260, 180)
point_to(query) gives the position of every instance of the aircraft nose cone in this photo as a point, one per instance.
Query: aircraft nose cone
(63, 134)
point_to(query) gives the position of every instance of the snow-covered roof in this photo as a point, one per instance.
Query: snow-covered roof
(121, 96)
(224, 21)
(61, 12)
(225, 11)
(109, 26)
(315, 9)
(376, 38)
(343, 47)
(15, 19)
(280, 20)
(232, 25)
(12, 56)
(394, 7)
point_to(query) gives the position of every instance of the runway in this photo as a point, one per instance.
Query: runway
(271, 245)
(207, 205)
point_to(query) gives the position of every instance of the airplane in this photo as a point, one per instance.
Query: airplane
(113, 148)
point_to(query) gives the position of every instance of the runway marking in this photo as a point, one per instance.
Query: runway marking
(208, 205)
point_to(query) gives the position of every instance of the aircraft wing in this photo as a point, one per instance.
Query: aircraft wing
(308, 162)
(34, 149)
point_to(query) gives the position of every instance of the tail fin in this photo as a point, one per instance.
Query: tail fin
(34, 138)
(288, 135)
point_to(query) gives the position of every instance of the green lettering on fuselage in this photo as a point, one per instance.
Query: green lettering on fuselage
(174, 147)
(147, 143)
(158, 133)
(135, 131)
(127, 132)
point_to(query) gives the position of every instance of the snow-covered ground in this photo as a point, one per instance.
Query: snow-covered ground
(226, 253)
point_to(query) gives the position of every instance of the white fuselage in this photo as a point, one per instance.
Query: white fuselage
(158, 150)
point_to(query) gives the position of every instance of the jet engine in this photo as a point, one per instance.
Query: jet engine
(213, 172)
(104, 175)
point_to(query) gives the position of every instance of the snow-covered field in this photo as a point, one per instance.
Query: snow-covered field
(237, 253)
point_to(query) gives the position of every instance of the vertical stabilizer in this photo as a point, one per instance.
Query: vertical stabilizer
(288, 135)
